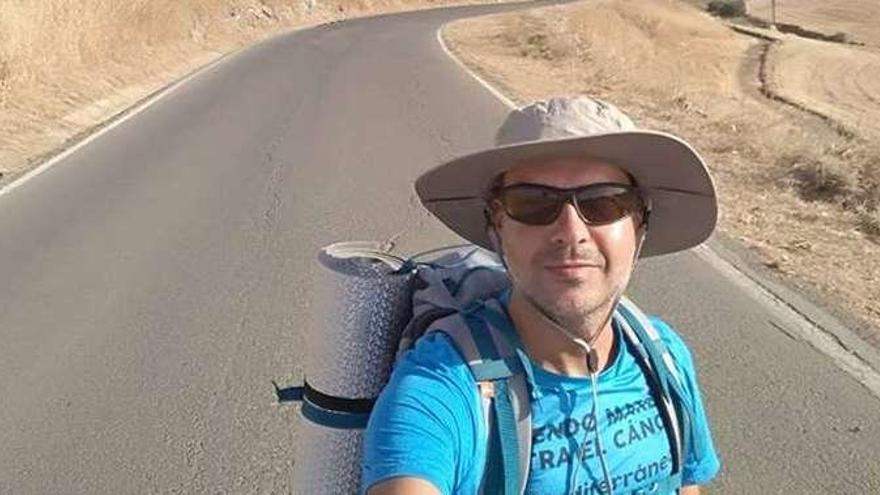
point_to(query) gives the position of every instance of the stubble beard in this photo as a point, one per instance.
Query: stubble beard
(582, 317)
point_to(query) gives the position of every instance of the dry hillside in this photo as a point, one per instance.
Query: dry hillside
(790, 182)
(67, 66)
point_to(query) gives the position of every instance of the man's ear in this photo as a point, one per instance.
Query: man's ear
(493, 214)
(493, 220)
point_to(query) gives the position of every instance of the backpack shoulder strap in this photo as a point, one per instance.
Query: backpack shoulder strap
(504, 394)
(664, 376)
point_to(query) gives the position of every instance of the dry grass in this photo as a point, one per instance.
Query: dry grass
(60, 57)
(841, 83)
(817, 180)
(66, 66)
(790, 186)
(867, 200)
(869, 181)
(869, 221)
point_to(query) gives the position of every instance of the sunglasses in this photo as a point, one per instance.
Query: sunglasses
(597, 204)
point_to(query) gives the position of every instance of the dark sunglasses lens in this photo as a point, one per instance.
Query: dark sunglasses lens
(531, 205)
(610, 206)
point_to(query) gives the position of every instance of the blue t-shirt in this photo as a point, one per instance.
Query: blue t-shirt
(428, 423)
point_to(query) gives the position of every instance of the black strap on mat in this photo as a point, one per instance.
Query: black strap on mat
(322, 400)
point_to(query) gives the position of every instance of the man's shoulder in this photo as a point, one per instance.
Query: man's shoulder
(430, 375)
(435, 349)
(427, 414)
(446, 341)
(434, 358)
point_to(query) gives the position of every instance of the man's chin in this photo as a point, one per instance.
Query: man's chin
(574, 299)
(566, 301)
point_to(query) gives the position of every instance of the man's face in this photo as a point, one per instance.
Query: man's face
(569, 268)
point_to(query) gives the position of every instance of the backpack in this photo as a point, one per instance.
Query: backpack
(452, 292)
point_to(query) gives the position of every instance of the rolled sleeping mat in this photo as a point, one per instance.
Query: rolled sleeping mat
(364, 303)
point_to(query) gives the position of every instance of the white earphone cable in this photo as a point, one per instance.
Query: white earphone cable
(592, 358)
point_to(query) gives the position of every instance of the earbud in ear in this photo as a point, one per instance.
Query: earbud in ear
(493, 236)
(490, 229)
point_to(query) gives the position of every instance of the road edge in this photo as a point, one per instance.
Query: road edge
(115, 120)
(84, 137)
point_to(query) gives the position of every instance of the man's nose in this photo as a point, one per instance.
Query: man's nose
(570, 228)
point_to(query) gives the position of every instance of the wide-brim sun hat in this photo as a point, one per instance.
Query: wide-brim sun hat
(668, 171)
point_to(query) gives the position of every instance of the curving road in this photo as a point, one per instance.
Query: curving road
(153, 282)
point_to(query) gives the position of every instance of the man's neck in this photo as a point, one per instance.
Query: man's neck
(550, 347)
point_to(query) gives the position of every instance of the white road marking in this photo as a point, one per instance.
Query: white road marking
(507, 101)
(819, 338)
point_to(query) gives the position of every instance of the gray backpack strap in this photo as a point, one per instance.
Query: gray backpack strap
(664, 375)
(520, 384)
(504, 394)
(629, 307)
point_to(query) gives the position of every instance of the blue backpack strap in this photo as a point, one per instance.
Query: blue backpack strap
(684, 401)
(504, 395)
(664, 374)
(520, 384)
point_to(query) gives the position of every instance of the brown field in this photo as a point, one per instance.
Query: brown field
(840, 81)
(794, 185)
(67, 66)
(859, 19)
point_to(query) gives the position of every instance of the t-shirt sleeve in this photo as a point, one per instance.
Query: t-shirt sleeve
(424, 424)
(701, 463)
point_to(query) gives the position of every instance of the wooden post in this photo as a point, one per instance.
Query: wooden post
(773, 12)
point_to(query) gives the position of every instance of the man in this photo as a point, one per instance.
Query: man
(570, 199)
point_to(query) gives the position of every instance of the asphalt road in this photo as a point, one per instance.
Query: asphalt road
(153, 282)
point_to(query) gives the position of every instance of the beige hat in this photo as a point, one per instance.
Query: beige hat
(667, 170)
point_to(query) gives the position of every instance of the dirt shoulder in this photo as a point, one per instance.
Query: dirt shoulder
(788, 176)
(68, 67)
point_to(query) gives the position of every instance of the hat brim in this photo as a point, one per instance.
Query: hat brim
(674, 177)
